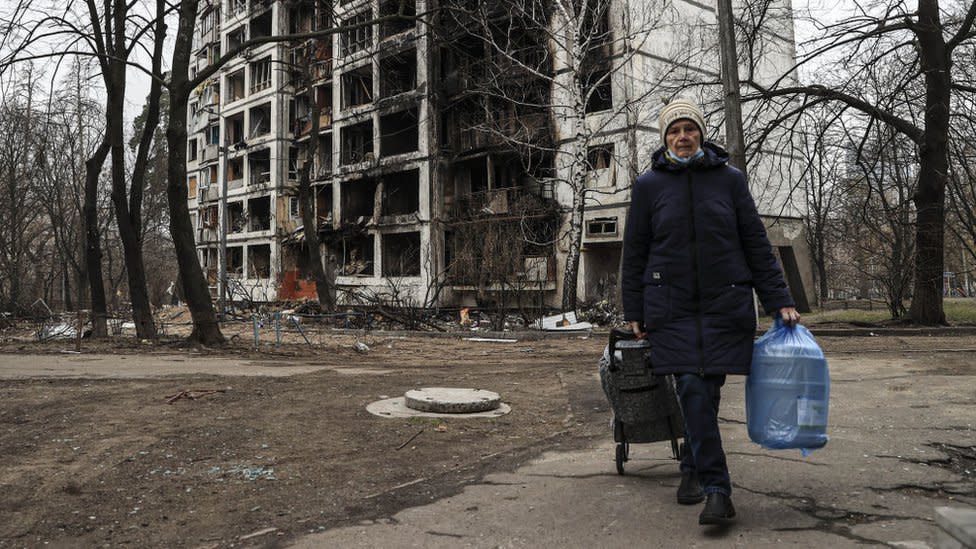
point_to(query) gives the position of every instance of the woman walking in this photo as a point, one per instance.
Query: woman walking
(694, 250)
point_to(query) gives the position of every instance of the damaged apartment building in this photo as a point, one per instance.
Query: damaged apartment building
(415, 191)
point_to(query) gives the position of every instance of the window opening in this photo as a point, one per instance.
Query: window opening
(259, 212)
(398, 133)
(357, 142)
(401, 254)
(399, 74)
(357, 87)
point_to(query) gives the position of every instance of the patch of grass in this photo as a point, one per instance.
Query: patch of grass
(958, 310)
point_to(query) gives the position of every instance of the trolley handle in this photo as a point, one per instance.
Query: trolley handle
(618, 334)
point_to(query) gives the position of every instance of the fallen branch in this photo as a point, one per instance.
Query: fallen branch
(409, 440)
(193, 394)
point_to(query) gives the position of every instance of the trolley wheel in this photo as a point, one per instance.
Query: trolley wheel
(623, 449)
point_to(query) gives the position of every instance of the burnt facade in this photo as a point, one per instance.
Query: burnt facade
(436, 164)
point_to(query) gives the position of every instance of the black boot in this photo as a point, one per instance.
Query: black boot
(689, 491)
(718, 510)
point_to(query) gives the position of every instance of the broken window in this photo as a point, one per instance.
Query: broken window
(212, 179)
(261, 74)
(235, 39)
(401, 254)
(508, 171)
(323, 202)
(191, 187)
(235, 129)
(357, 143)
(235, 217)
(235, 170)
(599, 157)
(398, 132)
(235, 86)
(294, 208)
(213, 134)
(471, 176)
(259, 261)
(237, 7)
(357, 87)
(210, 263)
(260, 120)
(324, 20)
(259, 164)
(261, 25)
(323, 99)
(597, 85)
(357, 35)
(358, 200)
(235, 261)
(191, 150)
(259, 212)
(322, 64)
(323, 164)
(596, 24)
(292, 163)
(213, 53)
(396, 26)
(300, 19)
(401, 193)
(357, 256)
(210, 217)
(602, 226)
(399, 73)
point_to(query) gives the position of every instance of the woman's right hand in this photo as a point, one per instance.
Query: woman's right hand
(635, 327)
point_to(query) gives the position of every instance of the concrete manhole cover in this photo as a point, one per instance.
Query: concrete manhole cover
(450, 400)
(441, 402)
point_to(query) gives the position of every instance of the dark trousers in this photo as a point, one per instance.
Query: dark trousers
(700, 397)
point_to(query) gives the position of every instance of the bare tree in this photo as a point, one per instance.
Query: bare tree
(922, 47)
(21, 227)
(542, 74)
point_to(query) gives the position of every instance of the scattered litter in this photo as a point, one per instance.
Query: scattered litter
(491, 340)
(69, 352)
(58, 331)
(562, 322)
(361, 347)
(193, 394)
(442, 428)
(259, 472)
(258, 533)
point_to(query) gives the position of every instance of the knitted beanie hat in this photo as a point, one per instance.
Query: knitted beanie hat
(676, 110)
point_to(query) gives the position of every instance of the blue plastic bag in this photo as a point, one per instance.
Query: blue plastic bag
(788, 390)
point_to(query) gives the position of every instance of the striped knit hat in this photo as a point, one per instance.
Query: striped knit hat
(676, 110)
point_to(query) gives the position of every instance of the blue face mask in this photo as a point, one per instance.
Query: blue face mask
(685, 161)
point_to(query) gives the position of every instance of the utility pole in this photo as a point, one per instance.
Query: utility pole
(222, 217)
(730, 85)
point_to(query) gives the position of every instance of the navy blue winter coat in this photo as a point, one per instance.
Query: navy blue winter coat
(694, 249)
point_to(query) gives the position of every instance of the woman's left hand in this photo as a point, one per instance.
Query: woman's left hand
(790, 316)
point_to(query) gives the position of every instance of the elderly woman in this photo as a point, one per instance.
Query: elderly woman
(694, 251)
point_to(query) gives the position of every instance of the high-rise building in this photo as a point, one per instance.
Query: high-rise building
(462, 156)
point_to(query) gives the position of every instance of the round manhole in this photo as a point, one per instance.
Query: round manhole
(450, 400)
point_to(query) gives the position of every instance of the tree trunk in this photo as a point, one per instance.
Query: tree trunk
(206, 330)
(128, 202)
(93, 246)
(324, 282)
(930, 195)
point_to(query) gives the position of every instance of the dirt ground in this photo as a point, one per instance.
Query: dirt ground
(108, 461)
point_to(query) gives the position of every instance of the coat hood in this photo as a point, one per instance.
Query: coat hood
(715, 156)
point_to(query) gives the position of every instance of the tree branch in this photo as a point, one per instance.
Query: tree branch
(913, 132)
